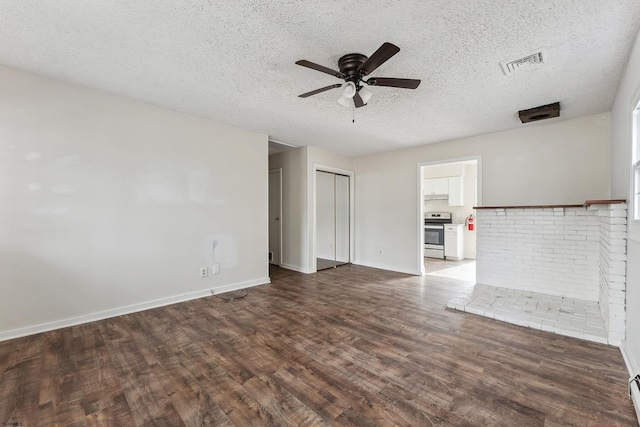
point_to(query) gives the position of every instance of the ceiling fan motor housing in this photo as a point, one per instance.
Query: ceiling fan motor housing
(350, 63)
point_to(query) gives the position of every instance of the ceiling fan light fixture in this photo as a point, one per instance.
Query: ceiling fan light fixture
(344, 101)
(349, 89)
(365, 94)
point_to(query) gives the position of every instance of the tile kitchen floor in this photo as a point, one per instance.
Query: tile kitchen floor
(464, 270)
(565, 316)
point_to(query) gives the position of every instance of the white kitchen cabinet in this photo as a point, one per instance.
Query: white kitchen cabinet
(441, 185)
(436, 186)
(453, 241)
(456, 194)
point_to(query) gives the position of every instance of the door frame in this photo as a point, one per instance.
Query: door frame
(279, 172)
(420, 211)
(312, 243)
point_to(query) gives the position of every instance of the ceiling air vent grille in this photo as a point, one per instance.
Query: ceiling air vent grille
(510, 67)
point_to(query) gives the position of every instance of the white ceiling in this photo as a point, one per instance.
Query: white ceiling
(233, 61)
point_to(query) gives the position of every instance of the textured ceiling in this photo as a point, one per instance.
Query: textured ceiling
(233, 62)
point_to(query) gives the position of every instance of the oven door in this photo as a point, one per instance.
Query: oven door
(434, 237)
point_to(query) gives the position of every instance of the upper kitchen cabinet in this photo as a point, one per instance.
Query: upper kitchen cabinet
(449, 189)
(456, 193)
(436, 188)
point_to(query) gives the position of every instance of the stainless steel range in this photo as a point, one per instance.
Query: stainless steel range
(434, 233)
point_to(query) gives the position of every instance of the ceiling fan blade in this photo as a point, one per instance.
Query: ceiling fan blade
(357, 100)
(391, 82)
(322, 89)
(320, 68)
(379, 57)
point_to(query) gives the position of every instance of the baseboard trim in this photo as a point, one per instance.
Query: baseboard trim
(295, 268)
(133, 308)
(240, 285)
(389, 268)
(632, 367)
(632, 364)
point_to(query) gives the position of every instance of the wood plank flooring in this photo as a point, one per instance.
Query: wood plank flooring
(352, 346)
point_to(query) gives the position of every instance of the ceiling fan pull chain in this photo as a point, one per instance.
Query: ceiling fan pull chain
(353, 112)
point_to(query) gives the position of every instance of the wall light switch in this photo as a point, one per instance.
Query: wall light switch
(215, 269)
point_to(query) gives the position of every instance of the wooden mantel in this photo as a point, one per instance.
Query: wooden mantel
(585, 204)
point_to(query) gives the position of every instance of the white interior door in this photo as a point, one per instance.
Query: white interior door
(275, 216)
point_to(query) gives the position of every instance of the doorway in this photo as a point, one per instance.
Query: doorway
(275, 216)
(333, 214)
(451, 189)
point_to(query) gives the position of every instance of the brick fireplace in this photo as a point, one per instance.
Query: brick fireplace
(573, 252)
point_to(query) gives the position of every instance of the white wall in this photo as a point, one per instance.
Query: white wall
(621, 142)
(295, 218)
(319, 156)
(109, 205)
(559, 162)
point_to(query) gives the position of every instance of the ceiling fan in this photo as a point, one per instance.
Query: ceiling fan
(354, 67)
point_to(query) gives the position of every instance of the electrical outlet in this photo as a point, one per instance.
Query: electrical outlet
(380, 252)
(215, 269)
(203, 272)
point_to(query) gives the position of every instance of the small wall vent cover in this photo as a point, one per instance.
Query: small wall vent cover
(510, 67)
(276, 147)
(540, 113)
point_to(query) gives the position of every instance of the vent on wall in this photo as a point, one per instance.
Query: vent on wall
(540, 113)
(510, 67)
(276, 147)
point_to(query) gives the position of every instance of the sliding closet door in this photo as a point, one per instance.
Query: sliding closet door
(332, 220)
(325, 221)
(342, 214)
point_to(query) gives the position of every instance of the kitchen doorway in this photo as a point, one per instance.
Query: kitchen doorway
(332, 219)
(275, 216)
(450, 188)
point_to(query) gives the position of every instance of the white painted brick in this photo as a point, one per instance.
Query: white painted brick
(619, 214)
(579, 254)
(621, 227)
(618, 206)
(617, 286)
(622, 235)
(622, 249)
(613, 278)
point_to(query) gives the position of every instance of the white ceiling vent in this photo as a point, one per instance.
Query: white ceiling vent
(510, 67)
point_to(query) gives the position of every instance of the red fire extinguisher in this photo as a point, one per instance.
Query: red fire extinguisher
(470, 223)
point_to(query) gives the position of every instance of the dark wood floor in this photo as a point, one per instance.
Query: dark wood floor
(323, 263)
(347, 346)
